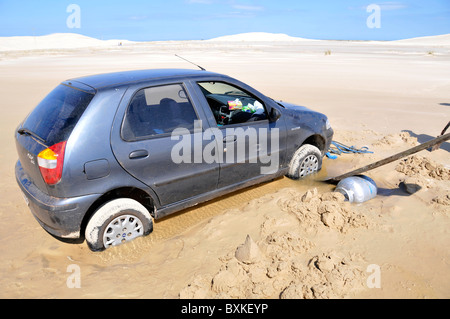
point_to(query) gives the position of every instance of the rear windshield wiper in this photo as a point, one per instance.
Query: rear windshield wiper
(37, 138)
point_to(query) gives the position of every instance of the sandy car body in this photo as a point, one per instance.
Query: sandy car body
(106, 145)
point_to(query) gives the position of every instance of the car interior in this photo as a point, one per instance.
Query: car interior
(231, 105)
(147, 117)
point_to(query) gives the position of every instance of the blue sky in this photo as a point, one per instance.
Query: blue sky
(204, 19)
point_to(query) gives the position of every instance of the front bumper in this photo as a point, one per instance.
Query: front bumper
(329, 133)
(61, 217)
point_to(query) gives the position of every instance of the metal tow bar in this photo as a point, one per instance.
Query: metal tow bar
(432, 143)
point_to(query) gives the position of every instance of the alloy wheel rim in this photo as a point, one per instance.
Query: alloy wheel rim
(309, 165)
(122, 229)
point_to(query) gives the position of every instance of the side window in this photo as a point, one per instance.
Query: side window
(232, 105)
(158, 110)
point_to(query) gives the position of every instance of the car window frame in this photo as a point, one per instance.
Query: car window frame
(162, 135)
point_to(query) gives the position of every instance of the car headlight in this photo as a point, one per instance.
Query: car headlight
(327, 124)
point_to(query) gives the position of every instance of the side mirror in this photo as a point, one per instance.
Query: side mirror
(274, 114)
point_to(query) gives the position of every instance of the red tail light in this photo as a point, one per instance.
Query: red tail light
(51, 162)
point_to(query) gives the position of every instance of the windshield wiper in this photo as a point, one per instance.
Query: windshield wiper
(37, 138)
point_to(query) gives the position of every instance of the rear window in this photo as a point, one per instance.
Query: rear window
(55, 117)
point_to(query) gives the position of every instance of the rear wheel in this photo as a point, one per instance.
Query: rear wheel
(306, 160)
(117, 222)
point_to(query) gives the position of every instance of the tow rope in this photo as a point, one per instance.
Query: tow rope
(337, 148)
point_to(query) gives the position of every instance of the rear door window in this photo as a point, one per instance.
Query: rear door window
(156, 111)
(55, 117)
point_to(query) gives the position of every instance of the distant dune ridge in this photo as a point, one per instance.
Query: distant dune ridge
(259, 36)
(443, 40)
(74, 41)
(54, 41)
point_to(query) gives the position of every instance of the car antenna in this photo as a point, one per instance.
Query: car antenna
(190, 62)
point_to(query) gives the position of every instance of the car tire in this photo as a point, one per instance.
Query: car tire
(116, 222)
(306, 160)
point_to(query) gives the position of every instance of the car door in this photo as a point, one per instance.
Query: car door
(153, 139)
(251, 145)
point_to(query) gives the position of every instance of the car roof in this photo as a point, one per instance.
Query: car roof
(99, 81)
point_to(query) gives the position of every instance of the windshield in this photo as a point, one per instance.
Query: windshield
(221, 88)
(55, 117)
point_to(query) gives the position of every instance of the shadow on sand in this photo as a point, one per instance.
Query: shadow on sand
(422, 138)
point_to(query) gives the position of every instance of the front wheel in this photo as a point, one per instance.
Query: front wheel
(117, 222)
(305, 161)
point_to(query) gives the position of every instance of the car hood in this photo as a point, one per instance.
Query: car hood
(294, 107)
(302, 113)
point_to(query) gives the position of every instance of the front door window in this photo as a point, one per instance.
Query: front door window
(232, 105)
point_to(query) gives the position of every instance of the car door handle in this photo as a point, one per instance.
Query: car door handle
(230, 139)
(138, 154)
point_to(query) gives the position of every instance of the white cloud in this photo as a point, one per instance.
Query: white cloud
(248, 8)
(138, 18)
(388, 6)
(200, 1)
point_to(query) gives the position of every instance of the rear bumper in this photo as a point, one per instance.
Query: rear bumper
(61, 217)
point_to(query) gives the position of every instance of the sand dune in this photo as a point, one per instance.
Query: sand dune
(259, 36)
(58, 41)
(61, 41)
(439, 40)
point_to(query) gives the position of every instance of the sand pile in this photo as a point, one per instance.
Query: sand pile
(441, 203)
(422, 172)
(327, 210)
(285, 263)
(398, 138)
(417, 165)
(442, 200)
(279, 266)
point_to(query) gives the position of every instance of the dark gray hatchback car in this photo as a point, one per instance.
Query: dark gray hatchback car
(102, 156)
